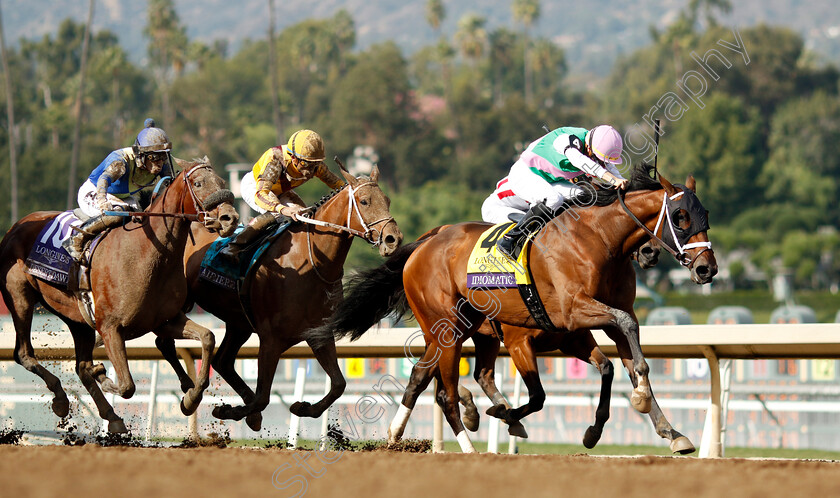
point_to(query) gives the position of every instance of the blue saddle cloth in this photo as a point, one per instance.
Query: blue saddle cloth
(47, 260)
(226, 274)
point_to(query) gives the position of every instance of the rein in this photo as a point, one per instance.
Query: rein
(203, 214)
(353, 206)
(679, 253)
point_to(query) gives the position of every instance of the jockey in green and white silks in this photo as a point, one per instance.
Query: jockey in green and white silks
(546, 173)
(114, 185)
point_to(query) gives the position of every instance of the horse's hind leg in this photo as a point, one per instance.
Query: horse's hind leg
(83, 338)
(326, 355)
(21, 307)
(182, 327)
(448, 365)
(224, 362)
(421, 374)
(582, 345)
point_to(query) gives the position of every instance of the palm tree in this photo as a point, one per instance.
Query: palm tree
(435, 14)
(471, 37)
(275, 85)
(526, 12)
(77, 127)
(10, 113)
(502, 43)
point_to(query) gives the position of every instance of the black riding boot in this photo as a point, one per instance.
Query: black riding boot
(535, 218)
(75, 244)
(247, 236)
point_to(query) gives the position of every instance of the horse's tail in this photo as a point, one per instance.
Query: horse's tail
(370, 296)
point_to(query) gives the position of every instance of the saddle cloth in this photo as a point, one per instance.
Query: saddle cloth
(47, 260)
(487, 268)
(224, 273)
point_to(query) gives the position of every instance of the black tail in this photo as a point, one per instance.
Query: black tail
(369, 297)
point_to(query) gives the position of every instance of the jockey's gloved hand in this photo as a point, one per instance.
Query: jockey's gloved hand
(292, 211)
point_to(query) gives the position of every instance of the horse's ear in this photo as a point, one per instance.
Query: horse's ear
(181, 163)
(691, 184)
(374, 175)
(347, 176)
(667, 185)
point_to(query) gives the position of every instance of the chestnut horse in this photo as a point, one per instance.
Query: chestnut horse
(294, 288)
(137, 284)
(585, 282)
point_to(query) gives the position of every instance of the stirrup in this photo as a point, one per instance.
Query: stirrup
(506, 245)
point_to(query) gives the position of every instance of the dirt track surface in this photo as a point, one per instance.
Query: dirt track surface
(92, 470)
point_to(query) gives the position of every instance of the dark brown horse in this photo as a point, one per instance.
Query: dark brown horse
(585, 282)
(137, 285)
(294, 288)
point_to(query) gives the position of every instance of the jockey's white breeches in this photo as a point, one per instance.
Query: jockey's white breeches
(521, 188)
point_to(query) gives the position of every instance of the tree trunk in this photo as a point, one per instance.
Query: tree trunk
(10, 113)
(275, 85)
(72, 186)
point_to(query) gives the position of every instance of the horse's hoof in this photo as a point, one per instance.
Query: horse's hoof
(189, 404)
(516, 428)
(591, 437)
(61, 407)
(682, 446)
(641, 403)
(254, 421)
(117, 427)
(222, 412)
(497, 411)
(97, 370)
(392, 438)
(471, 417)
(187, 385)
(301, 409)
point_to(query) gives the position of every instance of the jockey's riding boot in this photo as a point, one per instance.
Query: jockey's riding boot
(525, 226)
(75, 244)
(247, 236)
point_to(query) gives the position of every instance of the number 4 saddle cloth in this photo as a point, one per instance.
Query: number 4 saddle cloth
(490, 269)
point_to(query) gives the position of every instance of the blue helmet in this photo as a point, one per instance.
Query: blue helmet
(151, 139)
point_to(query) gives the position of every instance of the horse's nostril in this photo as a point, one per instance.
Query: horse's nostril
(390, 240)
(702, 270)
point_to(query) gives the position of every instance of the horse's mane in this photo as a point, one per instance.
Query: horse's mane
(315, 207)
(640, 179)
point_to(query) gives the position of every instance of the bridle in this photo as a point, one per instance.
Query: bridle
(679, 250)
(353, 207)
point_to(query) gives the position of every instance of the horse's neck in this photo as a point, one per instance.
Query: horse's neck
(619, 233)
(332, 243)
(170, 232)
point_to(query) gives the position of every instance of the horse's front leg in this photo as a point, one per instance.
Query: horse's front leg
(326, 355)
(115, 348)
(678, 442)
(83, 340)
(582, 345)
(525, 359)
(182, 327)
(590, 313)
(224, 361)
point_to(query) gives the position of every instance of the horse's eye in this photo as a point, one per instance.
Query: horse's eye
(197, 184)
(363, 202)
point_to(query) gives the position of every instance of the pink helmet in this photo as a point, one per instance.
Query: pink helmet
(606, 143)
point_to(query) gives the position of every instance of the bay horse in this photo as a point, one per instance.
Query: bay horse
(294, 288)
(137, 284)
(581, 269)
